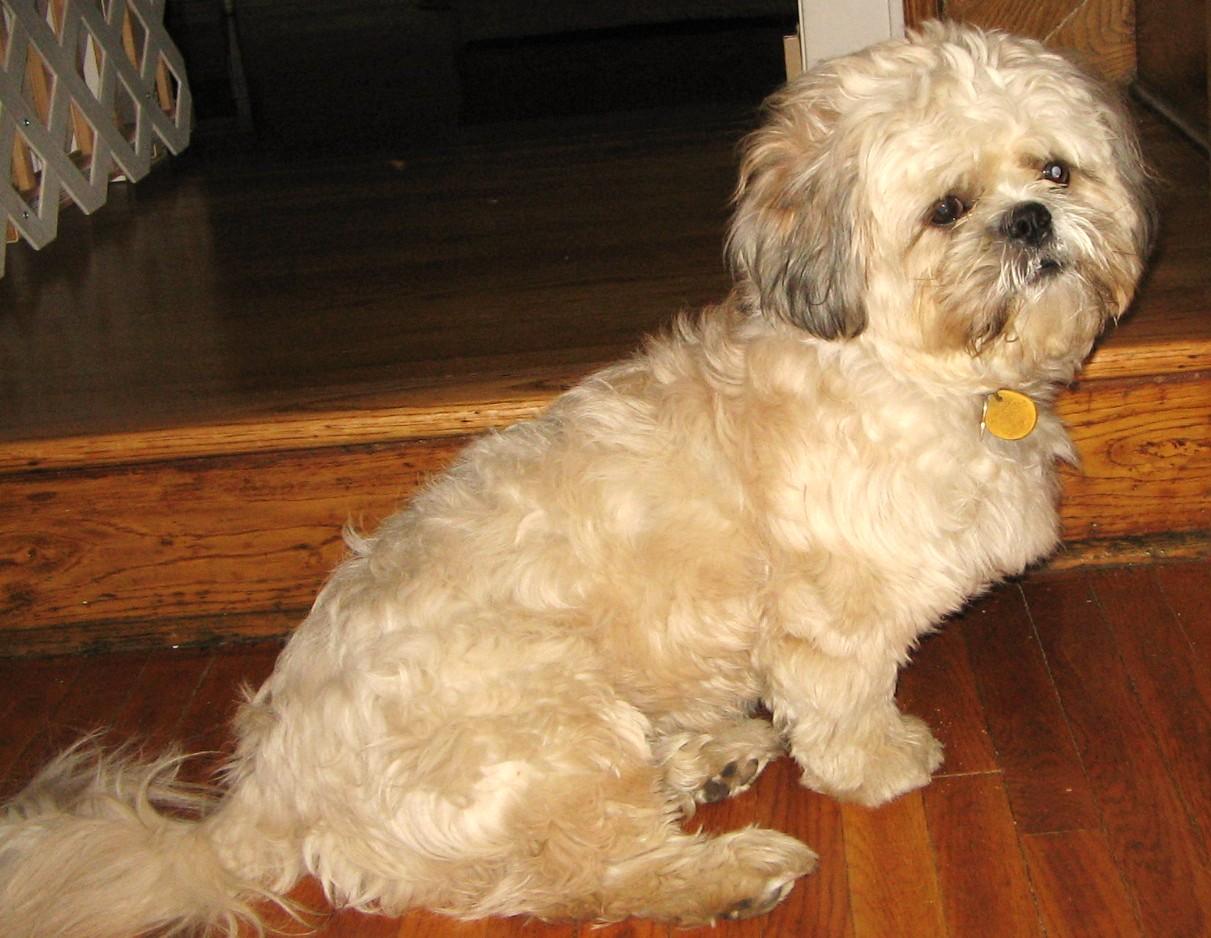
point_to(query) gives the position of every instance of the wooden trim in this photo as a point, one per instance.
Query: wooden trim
(1120, 551)
(228, 628)
(917, 12)
(433, 413)
(137, 634)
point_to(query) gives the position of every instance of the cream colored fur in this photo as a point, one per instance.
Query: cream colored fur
(505, 701)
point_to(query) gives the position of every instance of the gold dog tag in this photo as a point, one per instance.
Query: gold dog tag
(1009, 415)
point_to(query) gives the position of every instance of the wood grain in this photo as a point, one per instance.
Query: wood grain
(207, 537)
(434, 410)
(1174, 42)
(1078, 887)
(32, 691)
(1115, 552)
(164, 689)
(892, 881)
(1187, 590)
(1102, 35)
(1145, 450)
(96, 696)
(1173, 691)
(938, 686)
(1043, 776)
(1099, 30)
(917, 12)
(1146, 823)
(204, 727)
(980, 870)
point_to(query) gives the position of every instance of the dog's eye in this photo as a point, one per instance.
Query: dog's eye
(947, 211)
(1056, 172)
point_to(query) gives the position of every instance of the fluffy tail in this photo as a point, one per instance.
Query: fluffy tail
(106, 846)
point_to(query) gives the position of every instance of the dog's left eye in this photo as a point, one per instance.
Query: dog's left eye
(1056, 172)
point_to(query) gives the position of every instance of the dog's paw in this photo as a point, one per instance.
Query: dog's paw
(696, 879)
(751, 908)
(702, 768)
(900, 759)
(732, 779)
(770, 863)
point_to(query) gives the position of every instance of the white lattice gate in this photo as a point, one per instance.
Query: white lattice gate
(88, 91)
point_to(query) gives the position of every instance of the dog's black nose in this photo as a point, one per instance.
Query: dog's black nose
(1029, 222)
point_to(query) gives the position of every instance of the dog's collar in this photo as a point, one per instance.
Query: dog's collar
(1009, 415)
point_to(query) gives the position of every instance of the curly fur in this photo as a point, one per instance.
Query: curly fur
(506, 699)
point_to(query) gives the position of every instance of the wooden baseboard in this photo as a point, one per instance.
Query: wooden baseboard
(1124, 551)
(205, 549)
(222, 628)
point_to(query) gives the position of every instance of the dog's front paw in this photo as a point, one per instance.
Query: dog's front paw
(900, 758)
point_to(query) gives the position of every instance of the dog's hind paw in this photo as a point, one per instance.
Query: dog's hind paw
(751, 908)
(703, 768)
(732, 779)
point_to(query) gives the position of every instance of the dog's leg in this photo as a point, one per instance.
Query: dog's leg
(842, 723)
(613, 848)
(595, 833)
(704, 767)
(692, 879)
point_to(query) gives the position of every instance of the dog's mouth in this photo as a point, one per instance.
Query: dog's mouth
(1047, 267)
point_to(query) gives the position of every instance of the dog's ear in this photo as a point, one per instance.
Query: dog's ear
(794, 237)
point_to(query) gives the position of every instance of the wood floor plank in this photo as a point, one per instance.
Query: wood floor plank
(819, 904)
(157, 701)
(1079, 889)
(1174, 693)
(1187, 590)
(892, 880)
(424, 924)
(938, 686)
(97, 694)
(205, 725)
(1147, 825)
(349, 923)
(1115, 657)
(985, 887)
(34, 689)
(1044, 778)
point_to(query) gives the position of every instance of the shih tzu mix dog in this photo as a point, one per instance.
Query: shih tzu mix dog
(506, 701)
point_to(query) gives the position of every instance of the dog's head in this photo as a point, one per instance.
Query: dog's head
(956, 193)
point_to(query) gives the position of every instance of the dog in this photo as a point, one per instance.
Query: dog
(506, 700)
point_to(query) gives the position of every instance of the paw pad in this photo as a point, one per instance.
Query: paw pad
(732, 779)
(752, 907)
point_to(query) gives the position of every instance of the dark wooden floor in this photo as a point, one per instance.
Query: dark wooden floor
(1075, 799)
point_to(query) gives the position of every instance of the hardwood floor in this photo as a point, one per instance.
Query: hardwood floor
(1075, 799)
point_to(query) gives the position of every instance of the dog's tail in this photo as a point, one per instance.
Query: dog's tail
(109, 846)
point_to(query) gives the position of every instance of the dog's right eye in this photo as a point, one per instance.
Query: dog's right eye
(947, 211)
